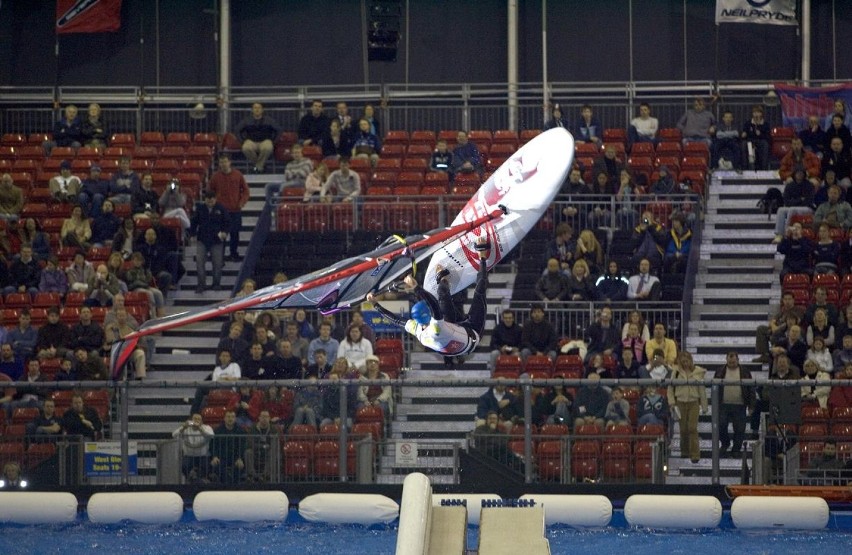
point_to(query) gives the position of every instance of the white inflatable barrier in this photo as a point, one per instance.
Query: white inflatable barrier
(348, 508)
(800, 513)
(474, 503)
(673, 511)
(36, 507)
(156, 507)
(242, 506)
(415, 515)
(592, 511)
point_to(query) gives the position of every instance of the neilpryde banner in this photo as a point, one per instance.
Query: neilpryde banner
(766, 12)
(798, 103)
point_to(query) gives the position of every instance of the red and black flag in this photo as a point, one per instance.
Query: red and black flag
(88, 16)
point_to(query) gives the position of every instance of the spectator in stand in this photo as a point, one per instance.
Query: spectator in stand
(321, 368)
(820, 354)
(273, 400)
(53, 338)
(603, 336)
(776, 327)
(657, 367)
(538, 336)
(442, 159)
(365, 144)
(644, 285)
(315, 182)
(80, 420)
(634, 343)
(325, 342)
(46, 423)
(553, 285)
(232, 193)
(821, 302)
(295, 174)
(375, 395)
(369, 114)
(755, 140)
(123, 182)
(466, 157)
(105, 225)
(121, 328)
(839, 130)
(617, 410)
(306, 330)
(835, 213)
(839, 109)
(798, 157)
(89, 366)
(10, 365)
(11, 199)
(557, 119)
(660, 341)
(263, 442)
(163, 264)
(797, 252)
(76, 230)
(313, 125)
(562, 247)
(643, 128)
(500, 400)
(64, 187)
(611, 166)
(627, 200)
(837, 158)
(336, 141)
(841, 395)
(590, 404)
(67, 372)
(67, 131)
(603, 190)
(144, 200)
(30, 233)
(125, 239)
(813, 393)
(343, 185)
(234, 343)
(298, 344)
(258, 133)
(23, 336)
(94, 130)
(24, 273)
(139, 278)
(793, 346)
(266, 338)
(595, 365)
(798, 199)
(239, 404)
(575, 189)
(210, 224)
(355, 348)
(289, 365)
(53, 280)
(677, 252)
(826, 252)
(588, 128)
(697, 124)
(635, 317)
(665, 185)
(79, 273)
(649, 240)
(195, 437)
(652, 408)
(172, 203)
(505, 338)
(813, 137)
(342, 116)
(331, 409)
(827, 182)
(93, 192)
(687, 402)
(590, 251)
(820, 327)
(725, 147)
(308, 404)
(611, 286)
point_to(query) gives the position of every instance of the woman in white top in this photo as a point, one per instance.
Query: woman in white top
(820, 354)
(355, 348)
(227, 371)
(635, 317)
(315, 181)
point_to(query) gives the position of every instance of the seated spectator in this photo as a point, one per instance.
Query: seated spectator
(792, 347)
(163, 264)
(76, 230)
(660, 341)
(226, 370)
(538, 336)
(603, 336)
(652, 408)
(94, 130)
(115, 266)
(677, 252)
(324, 341)
(375, 395)
(356, 349)
(643, 128)
(331, 409)
(657, 368)
(261, 456)
(256, 366)
(826, 252)
(820, 327)
(11, 199)
(194, 439)
(336, 141)
(820, 354)
(295, 174)
(665, 184)
(835, 213)
(23, 336)
(64, 187)
(313, 125)
(553, 285)
(106, 225)
(67, 372)
(821, 302)
(54, 337)
(80, 273)
(369, 114)
(797, 252)
(634, 343)
(797, 157)
(697, 124)
(596, 366)
(649, 241)
(841, 395)
(258, 133)
(590, 404)
(644, 286)
(125, 239)
(66, 131)
(815, 394)
(11, 365)
(813, 137)
(562, 247)
(505, 338)
(365, 144)
(272, 399)
(776, 326)
(635, 317)
(299, 345)
(559, 403)
(343, 185)
(173, 204)
(490, 437)
(87, 333)
(588, 128)
(315, 182)
(838, 129)
(612, 286)
(121, 328)
(144, 200)
(725, 147)
(357, 319)
(266, 339)
(24, 273)
(821, 195)
(498, 399)
(627, 199)
(839, 109)
(837, 158)
(123, 182)
(53, 280)
(590, 251)
(234, 343)
(557, 119)
(240, 404)
(80, 420)
(609, 165)
(466, 157)
(89, 366)
(139, 278)
(46, 423)
(319, 369)
(603, 190)
(93, 192)
(617, 410)
(755, 140)
(30, 233)
(288, 364)
(442, 159)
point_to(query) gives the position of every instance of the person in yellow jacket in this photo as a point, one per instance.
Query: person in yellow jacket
(686, 402)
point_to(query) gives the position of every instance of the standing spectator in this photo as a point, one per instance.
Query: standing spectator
(588, 128)
(688, 401)
(93, 128)
(799, 157)
(725, 147)
(23, 336)
(80, 420)
(11, 199)
(697, 124)
(210, 225)
(258, 133)
(798, 199)
(67, 131)
(365, 144)
(538, 336)
(643, 128)
(64, 187)
(295, 174)
(342, 185)
(194, 436)
(24, 273)
(755, 140)
(466, 157)
(313, 125)
(232, 192)
(93, 192)
(737, 402)
(590, 404)
(123, 182)
(813, 137)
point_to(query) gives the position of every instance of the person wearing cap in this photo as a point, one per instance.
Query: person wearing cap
(798, 199)
(434, 322)
(210, 224)
(65, 187)
(375, 395)
(93, 192)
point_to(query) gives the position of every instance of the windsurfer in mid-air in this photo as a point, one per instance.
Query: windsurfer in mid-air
(436, 322)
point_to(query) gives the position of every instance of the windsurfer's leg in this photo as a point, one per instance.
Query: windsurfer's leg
(479, 305)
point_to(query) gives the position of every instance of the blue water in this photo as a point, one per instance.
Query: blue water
(296, 536)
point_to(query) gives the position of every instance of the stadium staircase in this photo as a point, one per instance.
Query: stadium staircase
(736, 285)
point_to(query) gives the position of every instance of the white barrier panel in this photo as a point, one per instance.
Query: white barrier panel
(243, 506)
(592, 511)
(673, 511)
(800, 513)
(156, 507)
(415, 515)
(348, 508)
(474, 503)
(37, 507)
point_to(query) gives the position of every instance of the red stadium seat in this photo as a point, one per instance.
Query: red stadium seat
(297, 458)
(549, 460)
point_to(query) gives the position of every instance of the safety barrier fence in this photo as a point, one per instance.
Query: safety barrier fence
(361, 448)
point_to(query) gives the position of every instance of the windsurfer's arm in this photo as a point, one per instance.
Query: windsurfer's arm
(386, 314)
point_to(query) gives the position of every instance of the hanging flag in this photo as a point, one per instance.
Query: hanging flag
(770, 12)
(88, 16)
(799, 103)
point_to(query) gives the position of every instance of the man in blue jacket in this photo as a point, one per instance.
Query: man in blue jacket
(210, 224)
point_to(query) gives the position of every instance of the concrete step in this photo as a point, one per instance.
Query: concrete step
(734, 327)
(751, 280)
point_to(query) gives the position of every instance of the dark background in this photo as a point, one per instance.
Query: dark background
(319, 42)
